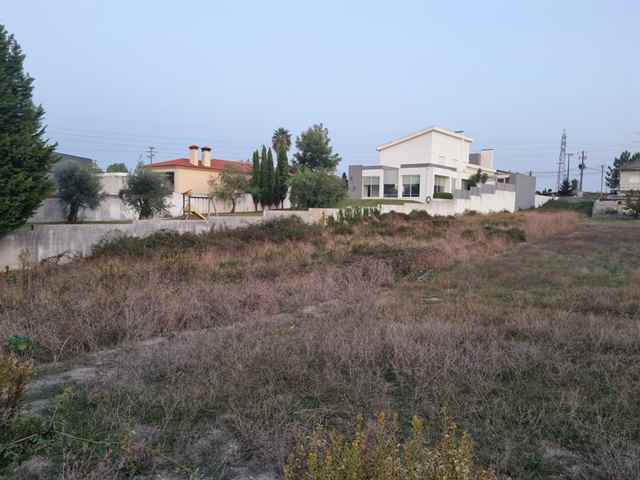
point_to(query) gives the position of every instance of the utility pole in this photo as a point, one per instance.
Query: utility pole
(151, 152)
(582, 166)
(563, 153)
(601, 179)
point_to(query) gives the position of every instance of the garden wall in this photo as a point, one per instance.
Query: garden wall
(45, 241)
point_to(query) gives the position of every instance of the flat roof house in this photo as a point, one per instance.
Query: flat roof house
(420, 165)
(194, 173)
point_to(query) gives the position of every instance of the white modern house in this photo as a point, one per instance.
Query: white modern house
(420, 165)
(435, 164)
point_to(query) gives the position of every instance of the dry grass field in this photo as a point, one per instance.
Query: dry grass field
(524, 328)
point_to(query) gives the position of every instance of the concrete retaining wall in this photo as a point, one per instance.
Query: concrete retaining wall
(44, 241)
(540, 200)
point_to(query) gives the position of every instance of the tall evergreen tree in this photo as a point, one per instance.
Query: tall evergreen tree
(315, 150)
(254, 183)
(281, 182)
(269, 180)
(266, 180)
(25, 156)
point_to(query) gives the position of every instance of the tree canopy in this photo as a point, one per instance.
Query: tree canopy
(229, 186)
(146, 192)
(25, 156)
(316, 189)
(117, 168)
(281, 140)
(78, 187)
(315, 150)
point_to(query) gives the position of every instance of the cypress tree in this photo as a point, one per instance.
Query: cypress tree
(254, 184)
(269, 180)
(281, 183)
(265, 181)
(25, 157)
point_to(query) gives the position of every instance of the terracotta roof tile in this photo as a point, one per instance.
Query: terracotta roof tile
(216, 164)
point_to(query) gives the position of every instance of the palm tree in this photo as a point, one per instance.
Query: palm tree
(281, 139)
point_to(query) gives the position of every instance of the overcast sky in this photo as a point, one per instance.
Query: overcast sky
(117, 76)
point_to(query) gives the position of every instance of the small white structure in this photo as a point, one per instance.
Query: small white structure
(630, 176)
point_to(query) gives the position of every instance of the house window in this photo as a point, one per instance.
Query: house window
(411, 185)
(390, 190)
(370, 187)
(441, 184)
(170, 179)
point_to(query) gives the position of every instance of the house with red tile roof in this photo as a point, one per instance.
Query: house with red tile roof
(195, 172)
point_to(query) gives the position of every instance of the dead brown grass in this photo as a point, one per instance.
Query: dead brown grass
(532, 349)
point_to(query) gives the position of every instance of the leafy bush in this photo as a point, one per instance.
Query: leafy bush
(78, 187)
(443, 195)
(378, 454)
(316, 189)
(279, 230)
(514, 233)
(170, 243)
(146, 192)
(19, 344)
(14, 376)
(581, 206)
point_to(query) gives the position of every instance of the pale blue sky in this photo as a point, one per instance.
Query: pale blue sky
(116, 76)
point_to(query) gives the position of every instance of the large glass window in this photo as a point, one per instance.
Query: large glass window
(411, 185)
(390, 190)
(441, 184)
(370, 187)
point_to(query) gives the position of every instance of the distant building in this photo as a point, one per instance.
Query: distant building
(630, 176)
(193, 173)
(84, 161)
(420, 165)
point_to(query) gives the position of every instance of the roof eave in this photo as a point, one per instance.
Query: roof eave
(393, 143)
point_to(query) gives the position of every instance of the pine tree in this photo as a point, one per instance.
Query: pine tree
(565, 188)
(315, 150)
(25, 157)
(281, 183)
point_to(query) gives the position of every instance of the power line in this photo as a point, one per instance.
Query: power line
(151, 153)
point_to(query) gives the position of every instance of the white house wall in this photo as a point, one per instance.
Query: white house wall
(416, 150)
(630, 180)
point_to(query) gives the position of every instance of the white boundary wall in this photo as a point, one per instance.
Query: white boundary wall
(44, 241)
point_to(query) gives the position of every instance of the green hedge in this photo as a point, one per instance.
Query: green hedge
(443, 195)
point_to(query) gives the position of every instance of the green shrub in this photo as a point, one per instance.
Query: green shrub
(443, 195)
(419, 215)
(378, 454)
(20, 344)
(316, 189)
(514, 233)
(170, 243)
(581, 206)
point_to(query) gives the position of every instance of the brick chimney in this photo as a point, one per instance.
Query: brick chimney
(206, 156)
(193, 155)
